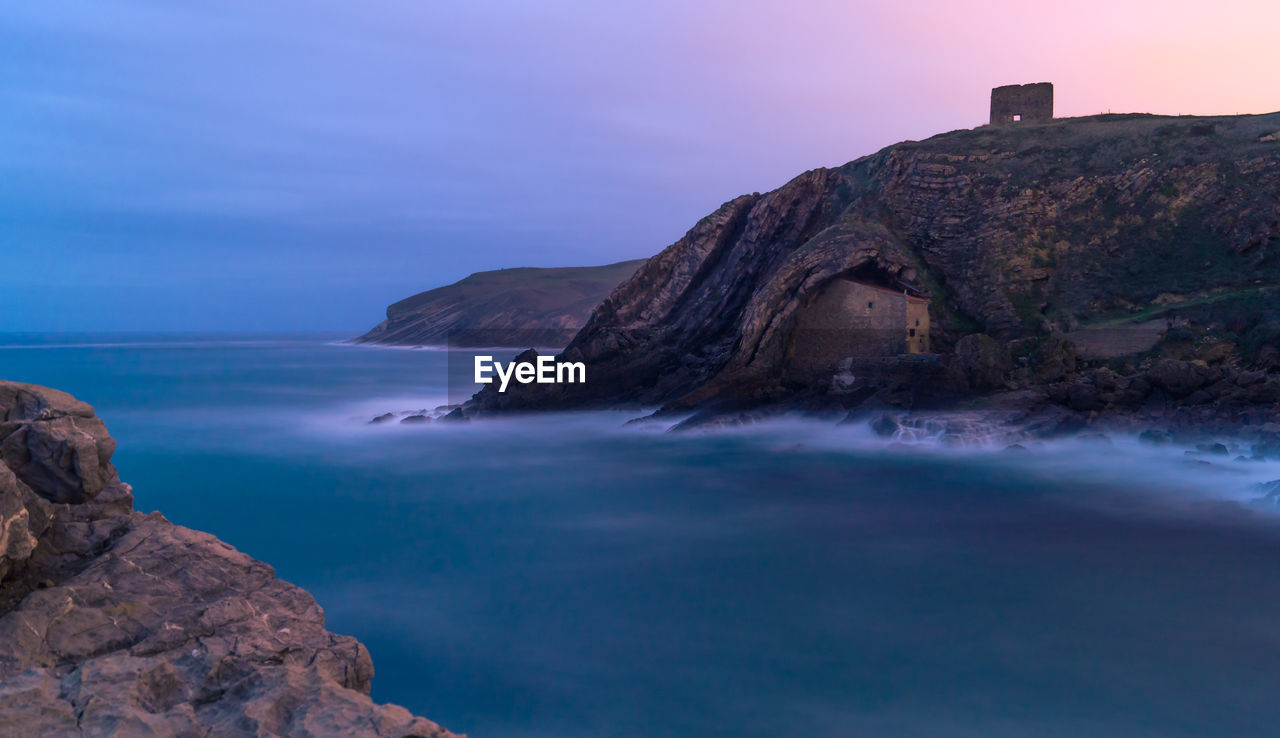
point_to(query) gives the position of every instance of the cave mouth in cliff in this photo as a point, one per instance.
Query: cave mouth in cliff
(865, 311)
(872, 275)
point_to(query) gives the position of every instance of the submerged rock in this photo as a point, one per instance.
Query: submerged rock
(1216, 449)
(884, 425)
(113, 622)
(1268, 491)
(1156, 437)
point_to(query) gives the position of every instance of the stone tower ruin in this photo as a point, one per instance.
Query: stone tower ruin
(1021, 103)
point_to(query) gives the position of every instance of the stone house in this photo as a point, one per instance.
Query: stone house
(852, 318)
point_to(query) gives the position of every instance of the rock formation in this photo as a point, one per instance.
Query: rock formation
(113, 622)
(507, 307)
(1020, 233)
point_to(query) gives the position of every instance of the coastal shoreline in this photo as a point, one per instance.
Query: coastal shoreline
(115, 621)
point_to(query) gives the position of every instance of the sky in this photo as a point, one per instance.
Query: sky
(299, 164)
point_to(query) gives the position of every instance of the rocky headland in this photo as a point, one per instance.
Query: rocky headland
(1115, 269)
(526, 306)
(115, 622)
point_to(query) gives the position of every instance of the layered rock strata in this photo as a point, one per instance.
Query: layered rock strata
(1021, 234)
(115, 622)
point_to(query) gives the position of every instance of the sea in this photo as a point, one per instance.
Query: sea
(576, 575)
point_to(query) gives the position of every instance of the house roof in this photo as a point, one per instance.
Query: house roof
(903, 293)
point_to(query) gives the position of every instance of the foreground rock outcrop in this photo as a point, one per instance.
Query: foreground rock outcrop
(113, 622)
(1022, 235)
(526, 306)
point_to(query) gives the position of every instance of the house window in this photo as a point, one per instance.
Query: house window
(1016, 117)
(871, 304)
(917, 324)
(912, 333)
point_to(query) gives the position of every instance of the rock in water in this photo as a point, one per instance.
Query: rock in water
(884, 425)
(1155, 437)
(117, 623)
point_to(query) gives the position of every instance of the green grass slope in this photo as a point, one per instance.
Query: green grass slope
(520, 307)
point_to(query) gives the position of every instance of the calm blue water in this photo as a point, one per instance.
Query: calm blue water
(568, 576)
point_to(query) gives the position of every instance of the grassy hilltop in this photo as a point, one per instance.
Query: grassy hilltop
(526, 306)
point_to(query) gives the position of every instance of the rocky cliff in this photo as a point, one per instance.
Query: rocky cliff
(1019, 234)
(113, 622)
(508, 307)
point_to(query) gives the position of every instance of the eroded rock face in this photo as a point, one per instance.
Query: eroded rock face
(982, 361)
(714, 312)
(117, 623)
(1018, 232)
(1179, 378)
(17, 537)
(54, 443)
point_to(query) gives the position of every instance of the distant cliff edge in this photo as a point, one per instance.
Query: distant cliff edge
(113, 622)
(526, 306)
